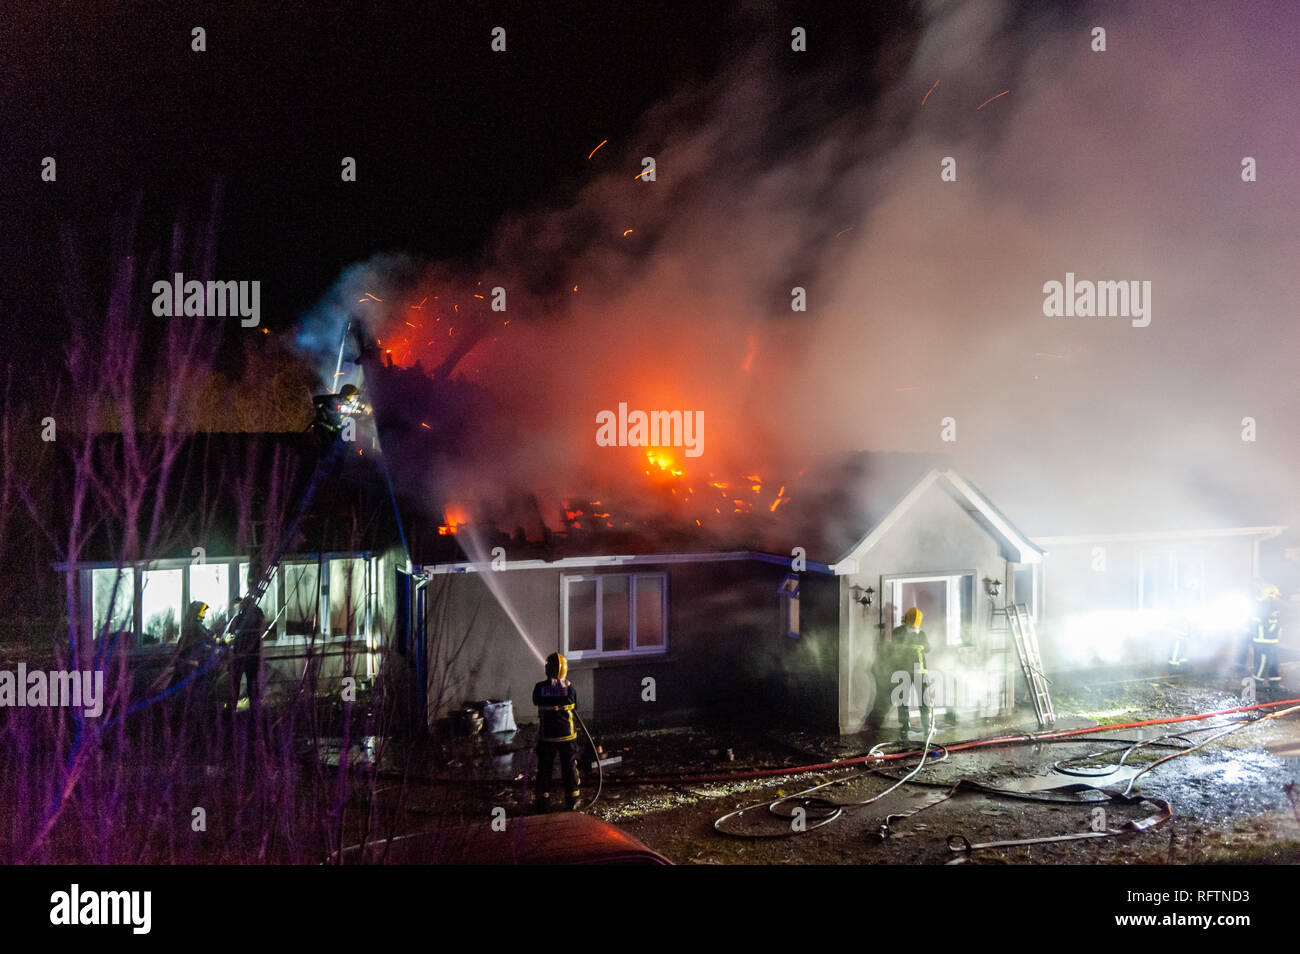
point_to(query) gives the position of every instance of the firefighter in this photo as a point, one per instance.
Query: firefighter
(557, 734)
(1265, 625)
(246, 658)
(910, 645)
(196, 644)
(330, 409)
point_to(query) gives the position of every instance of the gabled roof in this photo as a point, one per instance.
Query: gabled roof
(1022, 549)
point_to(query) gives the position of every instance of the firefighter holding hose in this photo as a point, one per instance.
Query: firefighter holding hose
(557, 734)
(910, 646)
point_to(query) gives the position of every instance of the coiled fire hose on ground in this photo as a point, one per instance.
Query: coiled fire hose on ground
(829, 811)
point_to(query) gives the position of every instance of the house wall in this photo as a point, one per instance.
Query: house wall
(1098, 615)
(935, 535)
(727, 654)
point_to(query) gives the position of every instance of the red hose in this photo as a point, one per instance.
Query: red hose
(954, 747)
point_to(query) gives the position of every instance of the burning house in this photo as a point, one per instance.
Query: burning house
(780, 615)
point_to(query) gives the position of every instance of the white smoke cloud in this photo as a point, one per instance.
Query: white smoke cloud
(925, 297)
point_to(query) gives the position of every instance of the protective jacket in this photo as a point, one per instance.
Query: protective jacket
(556, 700)
(909, 648)
(1265, 622)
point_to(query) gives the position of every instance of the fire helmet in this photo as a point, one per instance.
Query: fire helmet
(349, 393)
(557, 667)
(198, 609)
(912, 617)
(1268, 591)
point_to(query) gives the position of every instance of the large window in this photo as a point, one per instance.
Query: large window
(945, 601)
(160, 605)
(210, 582)
(113, 595)
(614, 614)
(147, 602)
(347, 596)
(301, 599)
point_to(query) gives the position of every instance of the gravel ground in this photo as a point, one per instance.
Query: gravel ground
(1228, 798)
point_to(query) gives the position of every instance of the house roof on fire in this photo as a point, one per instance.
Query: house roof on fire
(230, 493)
(836, 511)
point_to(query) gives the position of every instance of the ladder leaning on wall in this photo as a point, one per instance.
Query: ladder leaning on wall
(1025, 636)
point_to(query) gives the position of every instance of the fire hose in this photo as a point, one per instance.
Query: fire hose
(830, 811)
(1000, 741)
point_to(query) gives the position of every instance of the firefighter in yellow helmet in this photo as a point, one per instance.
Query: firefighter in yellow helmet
(557, 734)
(196, 644)
(910, 645)
(1266, 632)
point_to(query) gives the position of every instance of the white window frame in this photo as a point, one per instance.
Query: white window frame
(952, 635)
(633, 649)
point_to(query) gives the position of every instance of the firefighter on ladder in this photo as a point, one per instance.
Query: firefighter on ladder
(910, 646)
(556, 702)
(1266, 632)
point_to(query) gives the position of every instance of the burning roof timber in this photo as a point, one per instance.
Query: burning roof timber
(826, 509)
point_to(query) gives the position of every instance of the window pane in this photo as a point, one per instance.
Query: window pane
(210, 582)
(649, 611)
(301, 598)
(616, 620)
(113, 593)
(160, 605)
(582, 615)
(931, 598)
(347, 596)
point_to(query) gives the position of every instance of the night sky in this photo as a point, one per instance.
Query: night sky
(447, 135)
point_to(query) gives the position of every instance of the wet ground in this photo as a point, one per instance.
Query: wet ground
(1229, 798)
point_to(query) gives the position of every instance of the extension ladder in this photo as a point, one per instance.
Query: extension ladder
(324, 467)
(1025, 636)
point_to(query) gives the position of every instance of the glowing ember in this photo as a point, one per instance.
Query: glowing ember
(991, 98)
(593, 152)
(931, 90)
